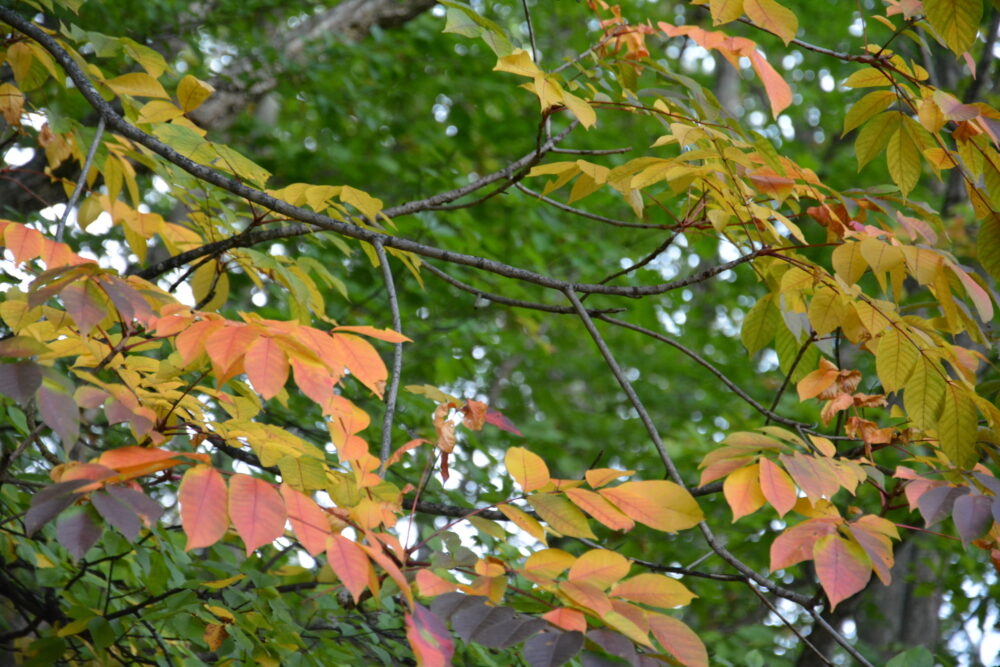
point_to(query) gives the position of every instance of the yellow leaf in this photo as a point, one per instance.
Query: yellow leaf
(137, 84)
(895, 360)
(868, 77)
(955, 21)
(221, 612)
(903, 159)
(871, 104)
(725, 11)
(524, 521)
(548, 563)
(957, 426)
(519, 62)
(191, 92)
(659, 504)
(848, 262)
(581, 109)
(600, 567)
(527, 468)
(655, 590)
(561, 515)
(772, 16)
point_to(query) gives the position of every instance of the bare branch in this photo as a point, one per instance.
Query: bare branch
(585, 214)
(397, 358)
(81, 180)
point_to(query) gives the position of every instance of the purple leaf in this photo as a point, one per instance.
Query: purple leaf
(614, 643)
(552, 648)
(20, 380)
(973, 516)
(472, 620)
(936, 504)
(143, 505)
(59, 412)
(117, 513)
(77, 532)
(50, 501)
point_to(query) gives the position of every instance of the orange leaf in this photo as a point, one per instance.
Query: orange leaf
(818, 381)
(202, 497)
(742, 491)
(363, 361)
(777, 486)
(586, 595)
(24, 242)
(387, 335)
(598, 477)
(779, 93)
(842, 566)
(567, 619)
(655, 590)
(267, 366)
(817, 477)
(679, 639)
(349, 562)
(257, 511)
(600, 567)
(658, 504)
(561, 515)
(527, 468)
(314, 380)
(796, 544)
(191, 342)
(376, 554)
(308, 520)
(431, 585)
(429, 638)
(398, 454)
(228, 344)
(598, 507)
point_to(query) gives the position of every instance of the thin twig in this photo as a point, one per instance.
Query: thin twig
(397, 358)
(585, 214)
(592, 151)
(789, 624)
(840, 639)
(531, 32)
(788, 376)
(81, 180)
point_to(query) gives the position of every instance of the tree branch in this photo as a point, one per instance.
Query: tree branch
(397, 358)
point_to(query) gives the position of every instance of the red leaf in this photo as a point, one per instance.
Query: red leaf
(501, 422)
(796, 544)
(257, 511)
(349, 562)
(308, 520)
(267, 366)
(202, 497)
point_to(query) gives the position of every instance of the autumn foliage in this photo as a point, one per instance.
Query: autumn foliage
(879, 324)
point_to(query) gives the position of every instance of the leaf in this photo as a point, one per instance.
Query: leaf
(842, 566)
(204, 514)
(267, 366)
(86, 304)
(600, 568)
(955, 21)
(548, 563)
(655, 590)
(59, 412)
(227, 345)
(679, 640)
(20, 380)
(429, 638)
(552, 648)
(137, 84)
(779, 93)
(915, 657)
(957, 426)
(923, 393)
(742, 491)
(774, 17)
(895, 360)
(796, 543)
(50, 501)
(527, 468)
(524, 521)
(362, 360)
(117, 513)
(23, 242)
(191, 92)
(598, 477)
(658, 504)
(387, 335)
(759, 325)
(349, 562)
(848, 262)
(777, 486)
(725, 11)
(598, 507)
(937, 503)
(308, 520)
(868, 106)
(77, 532)
(973, 516)
(988, 245)
(903, 158)
(256, 510)
(499, 420)
(561, 515)
(567, 619)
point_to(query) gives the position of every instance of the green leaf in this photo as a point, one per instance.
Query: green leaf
(875, 135)
(871, 104)
(759, 325)
(955, 21)
(988, 245)
(957, 426)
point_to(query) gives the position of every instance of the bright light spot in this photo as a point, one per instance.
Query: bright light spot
(17, 157)
(727, 251)
(786, 127)
(478, 352)
(161, 185)
(826, 81)
(450, 131)
(857, 28)
(259, 298)
(757, 118)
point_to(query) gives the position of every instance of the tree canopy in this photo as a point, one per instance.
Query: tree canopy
(415, 332)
